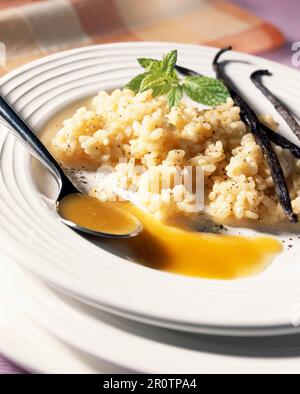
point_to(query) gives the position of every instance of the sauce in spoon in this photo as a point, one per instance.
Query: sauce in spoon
(91, 214)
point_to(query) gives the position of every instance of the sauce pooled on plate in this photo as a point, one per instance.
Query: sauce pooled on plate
(184, 251)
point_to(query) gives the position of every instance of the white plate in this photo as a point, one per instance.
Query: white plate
(142, 348)
(30, 346)
(31, 235)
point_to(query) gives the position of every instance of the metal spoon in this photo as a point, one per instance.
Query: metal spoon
(23, 132)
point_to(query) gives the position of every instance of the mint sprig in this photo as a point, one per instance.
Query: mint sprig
(162, 78)
(175, 95)
(205, 90)
(135, 83)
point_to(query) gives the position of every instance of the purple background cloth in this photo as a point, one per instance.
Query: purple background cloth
(7, 367)
(281, 13)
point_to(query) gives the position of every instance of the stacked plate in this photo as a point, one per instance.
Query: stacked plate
(70, 305)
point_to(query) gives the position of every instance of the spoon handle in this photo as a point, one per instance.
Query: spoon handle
(29, 138)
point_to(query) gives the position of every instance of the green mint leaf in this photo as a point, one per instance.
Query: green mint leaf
(161, 90)
(135, 83)
(204, 90)
(160, 76)
(152, 81)
(150, 64)
(175, 95)
(169, 62)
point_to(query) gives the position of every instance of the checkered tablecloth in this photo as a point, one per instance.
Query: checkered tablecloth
(31, 29)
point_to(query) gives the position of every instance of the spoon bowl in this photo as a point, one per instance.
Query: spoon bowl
(68, 192)
(90, 216)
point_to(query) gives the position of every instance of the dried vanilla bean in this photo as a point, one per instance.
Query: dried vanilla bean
(280, 107)
(276, 138)
(261, 138)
